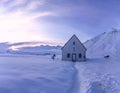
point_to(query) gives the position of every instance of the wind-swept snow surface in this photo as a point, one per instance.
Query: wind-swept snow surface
(33, 74)
(99, 76)
(40, 74)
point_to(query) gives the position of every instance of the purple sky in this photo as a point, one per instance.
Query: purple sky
(56, 20)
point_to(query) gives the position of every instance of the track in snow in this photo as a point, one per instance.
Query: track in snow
(93, 79)
(76, 84)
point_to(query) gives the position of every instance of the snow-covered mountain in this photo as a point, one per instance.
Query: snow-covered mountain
(107, 43)
(29, 48)
(38, 50)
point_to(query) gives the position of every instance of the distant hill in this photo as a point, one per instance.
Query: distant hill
(29, 48)
(4, 47)
(38, 50)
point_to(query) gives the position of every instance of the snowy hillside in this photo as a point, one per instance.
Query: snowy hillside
(108, 43)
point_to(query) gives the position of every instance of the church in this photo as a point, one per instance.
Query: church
(74, 50)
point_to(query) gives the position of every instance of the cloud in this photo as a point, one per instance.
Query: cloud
(17, 2)
(23, 20)
(2, 2)
(21, 5)
(21, 25)
(49, 20)
(33, 5)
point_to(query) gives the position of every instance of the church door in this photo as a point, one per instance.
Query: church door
(73, 57)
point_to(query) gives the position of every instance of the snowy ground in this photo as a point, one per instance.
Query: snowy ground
(99, 76)
(40, 74)
(34, 74)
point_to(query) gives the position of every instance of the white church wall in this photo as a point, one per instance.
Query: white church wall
(71, 48)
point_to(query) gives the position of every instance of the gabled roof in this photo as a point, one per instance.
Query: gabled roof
(78, 40)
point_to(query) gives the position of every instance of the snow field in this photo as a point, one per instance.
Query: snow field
(99, 76)
(35, 74)
(40, 74)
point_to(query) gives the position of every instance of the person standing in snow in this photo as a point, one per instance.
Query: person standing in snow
(53, 56)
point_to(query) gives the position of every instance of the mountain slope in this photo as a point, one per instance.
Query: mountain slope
(107, 43)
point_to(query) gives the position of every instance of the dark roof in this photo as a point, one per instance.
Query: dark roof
(70, 39)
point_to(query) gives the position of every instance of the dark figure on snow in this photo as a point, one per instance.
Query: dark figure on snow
(53, 56)
(107, 56)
